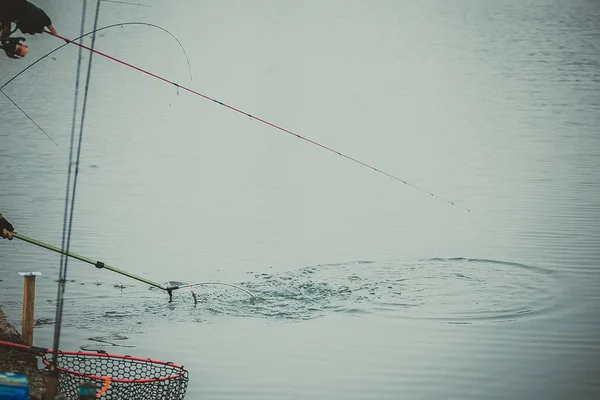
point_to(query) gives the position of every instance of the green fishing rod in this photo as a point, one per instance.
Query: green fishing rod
(169, 287)
(97, 264)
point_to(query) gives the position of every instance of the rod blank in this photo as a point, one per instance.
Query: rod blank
(97, 264)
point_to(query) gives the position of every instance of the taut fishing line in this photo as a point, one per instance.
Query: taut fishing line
(127, 2)
(178, 86)
(69, 208)
(27, 115)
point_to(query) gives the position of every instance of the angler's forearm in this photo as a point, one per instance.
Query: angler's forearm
(6, 228)
(4, 223)
(9, 10)
(29, 18)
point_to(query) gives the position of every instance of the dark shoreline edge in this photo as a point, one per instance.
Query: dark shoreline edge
(20, 362)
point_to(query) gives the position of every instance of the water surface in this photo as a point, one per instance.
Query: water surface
(366, 288)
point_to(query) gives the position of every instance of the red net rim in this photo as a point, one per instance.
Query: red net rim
(117, 356)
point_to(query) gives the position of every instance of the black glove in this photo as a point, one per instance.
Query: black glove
(32, 19)
(4, 224)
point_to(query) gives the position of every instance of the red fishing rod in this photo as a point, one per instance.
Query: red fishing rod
(251, 116)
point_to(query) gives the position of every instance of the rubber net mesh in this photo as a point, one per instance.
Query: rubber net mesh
(131, 378)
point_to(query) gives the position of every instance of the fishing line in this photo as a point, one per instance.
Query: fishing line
(127, 2)
(68, 230)
(178, 86)
(27, 115)
(98, 30)
(79, 37)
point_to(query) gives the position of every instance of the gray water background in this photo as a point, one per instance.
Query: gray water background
(367, 288)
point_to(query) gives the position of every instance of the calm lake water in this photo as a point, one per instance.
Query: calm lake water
(366, 287)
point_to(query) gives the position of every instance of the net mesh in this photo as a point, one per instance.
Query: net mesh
(131, 378)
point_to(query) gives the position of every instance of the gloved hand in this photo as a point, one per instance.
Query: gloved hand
(32, 19)
(6, 228)
(4, 29)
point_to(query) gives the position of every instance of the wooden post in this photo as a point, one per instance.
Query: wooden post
(51, 386)
(28, 306)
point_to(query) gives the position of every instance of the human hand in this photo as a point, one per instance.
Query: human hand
(4, 29)
(6, 227)
(33, 20)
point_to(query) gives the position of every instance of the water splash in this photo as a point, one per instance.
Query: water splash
(448, 290)
(452, 290)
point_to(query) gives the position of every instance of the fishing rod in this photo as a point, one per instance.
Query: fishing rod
(178, 86)
(121, 24)
(14, 48)
(169, 287)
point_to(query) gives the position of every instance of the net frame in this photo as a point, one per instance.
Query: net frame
(131, 377)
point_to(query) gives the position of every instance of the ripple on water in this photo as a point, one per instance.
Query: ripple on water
(106, 341)
(452, 290)
(448, 289)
